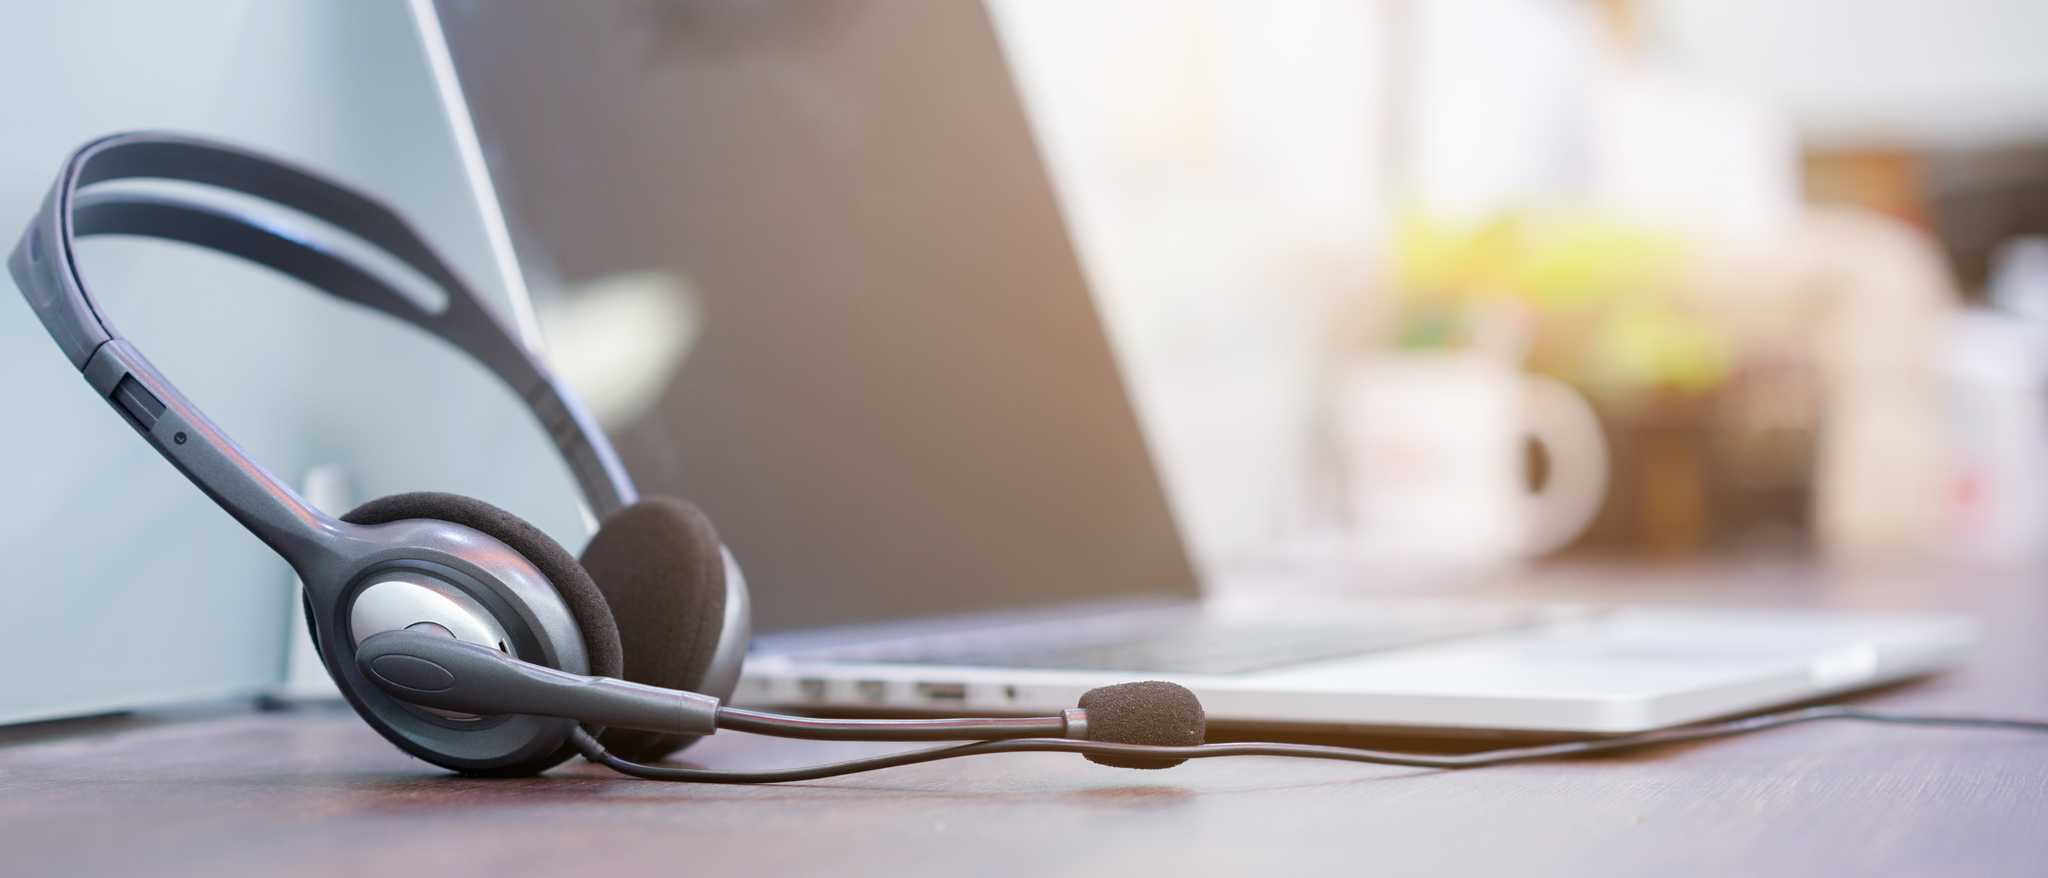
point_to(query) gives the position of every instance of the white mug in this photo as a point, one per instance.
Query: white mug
(1433, 446)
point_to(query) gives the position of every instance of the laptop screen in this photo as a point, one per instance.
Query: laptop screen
(896, 398)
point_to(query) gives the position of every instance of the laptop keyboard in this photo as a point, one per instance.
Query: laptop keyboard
(1207, 646)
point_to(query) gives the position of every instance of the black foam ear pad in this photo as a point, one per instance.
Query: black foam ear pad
(586, 603)
(659, 565)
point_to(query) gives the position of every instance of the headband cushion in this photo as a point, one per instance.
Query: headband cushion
(586, 604)
(659, 564)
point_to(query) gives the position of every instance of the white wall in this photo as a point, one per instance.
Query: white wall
(1906, 72)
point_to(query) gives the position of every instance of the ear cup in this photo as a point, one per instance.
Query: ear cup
(586, 603)
(659, 565)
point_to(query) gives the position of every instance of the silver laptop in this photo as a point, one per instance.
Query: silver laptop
(903, 413)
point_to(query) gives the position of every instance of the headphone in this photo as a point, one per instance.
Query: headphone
(472, 640)
(655, 598)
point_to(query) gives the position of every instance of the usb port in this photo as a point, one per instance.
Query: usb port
(871, 690)
(812, 688)
(943, 691)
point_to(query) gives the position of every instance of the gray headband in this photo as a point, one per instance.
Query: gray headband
(44, 266)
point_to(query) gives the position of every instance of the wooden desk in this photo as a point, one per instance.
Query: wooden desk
(317, 793)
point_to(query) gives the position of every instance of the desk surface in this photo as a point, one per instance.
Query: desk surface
(315, 792)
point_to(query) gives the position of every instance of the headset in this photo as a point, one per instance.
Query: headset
(654, 598)
(472, 640)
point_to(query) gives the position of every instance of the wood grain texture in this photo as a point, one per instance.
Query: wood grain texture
(318, 793)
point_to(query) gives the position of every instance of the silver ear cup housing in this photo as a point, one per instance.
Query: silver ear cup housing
(479, 590)
(403, 599)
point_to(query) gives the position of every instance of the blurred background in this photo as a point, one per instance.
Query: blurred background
(1413, 287)
(1397, 287)
(1465, 281)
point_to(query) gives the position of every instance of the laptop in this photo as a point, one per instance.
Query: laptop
(902, 410)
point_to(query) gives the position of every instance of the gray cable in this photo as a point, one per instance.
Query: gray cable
(740, 719)
(595, 752)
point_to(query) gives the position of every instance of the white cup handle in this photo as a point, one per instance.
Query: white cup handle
(1561, 420)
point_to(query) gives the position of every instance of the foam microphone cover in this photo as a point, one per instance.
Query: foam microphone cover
(1151, 712)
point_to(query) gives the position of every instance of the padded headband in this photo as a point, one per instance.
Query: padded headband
(44, 266)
